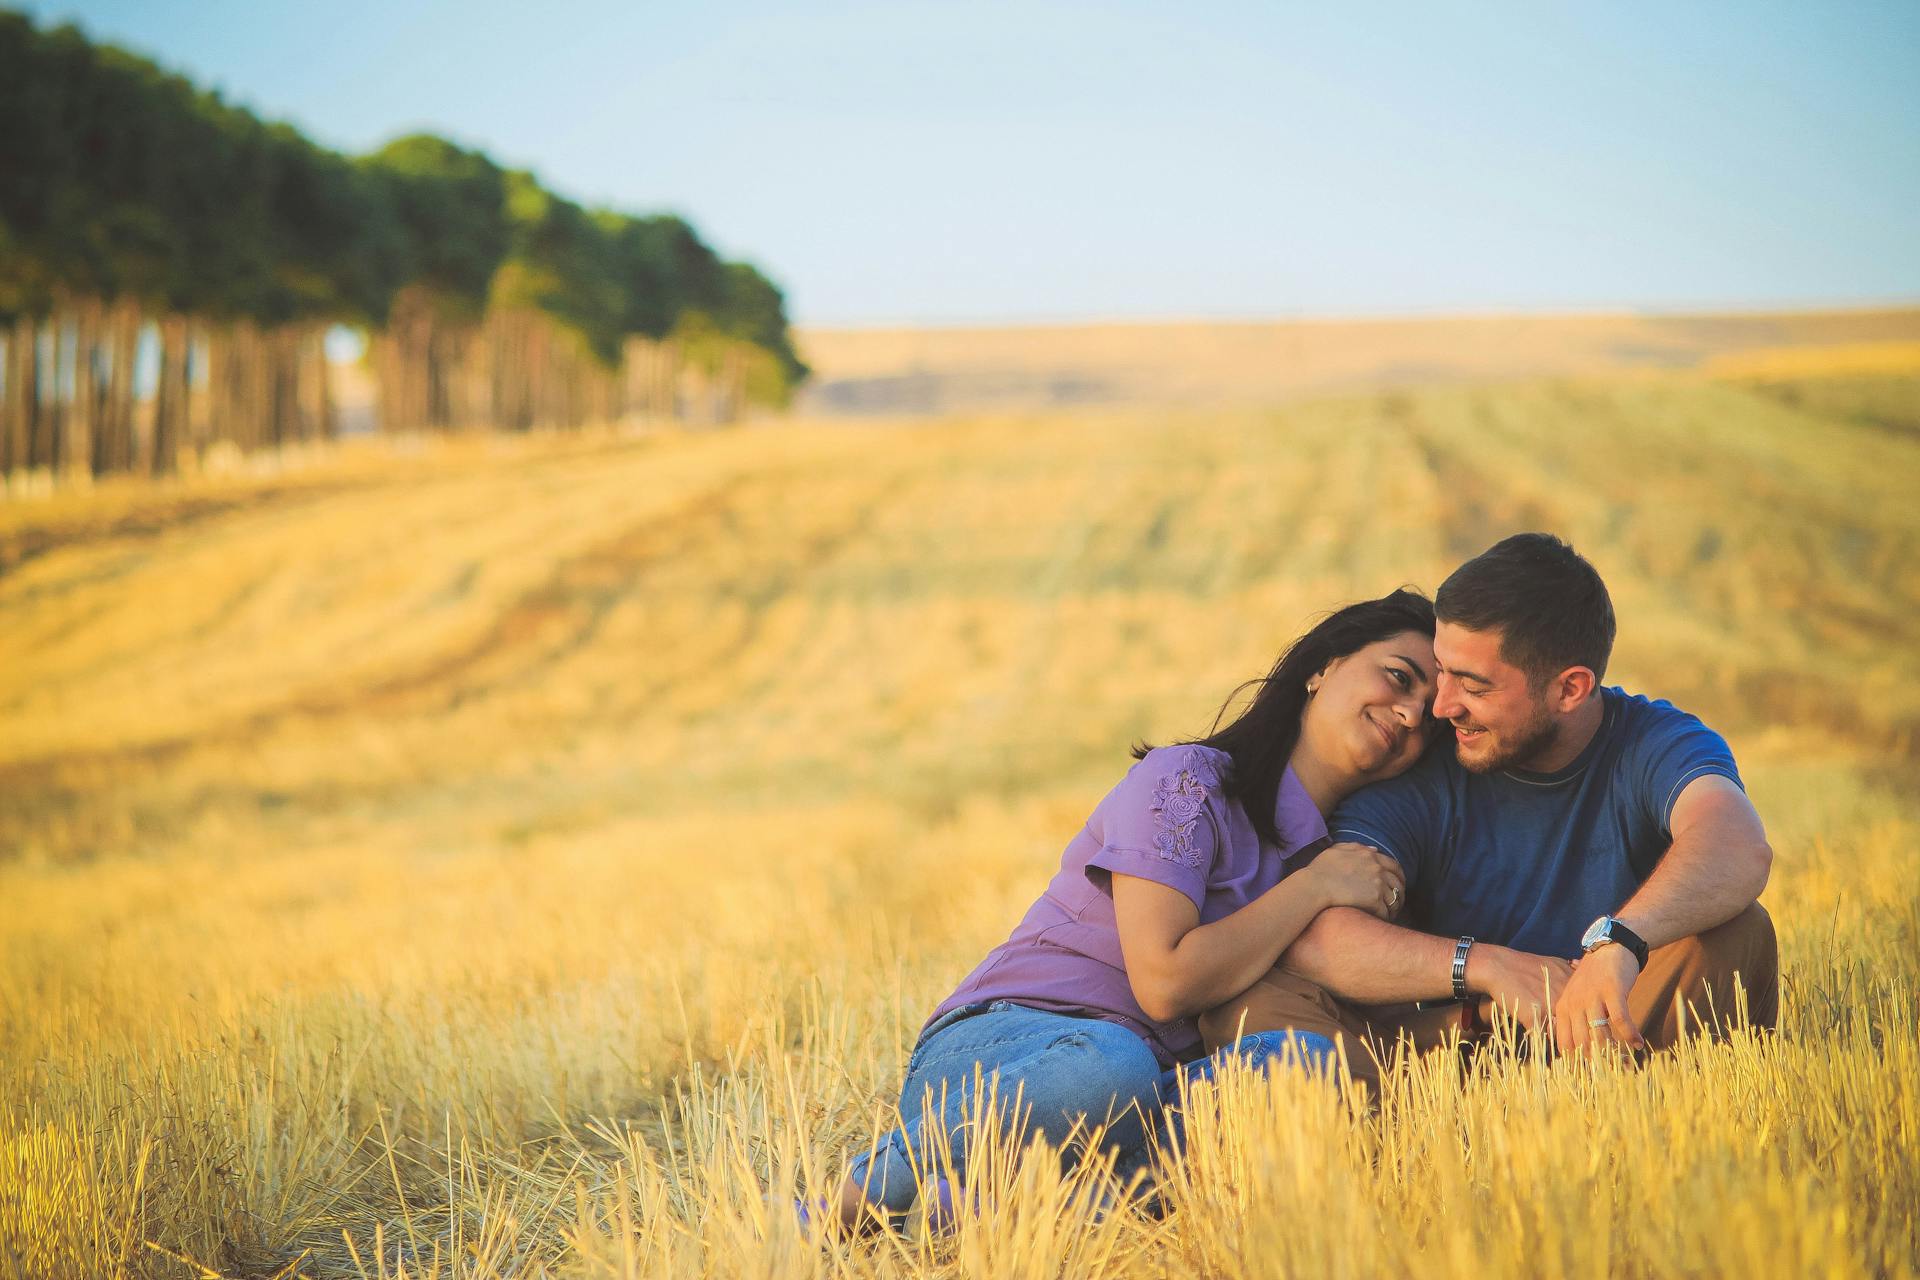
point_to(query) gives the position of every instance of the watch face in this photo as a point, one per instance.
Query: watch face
(1596, 933)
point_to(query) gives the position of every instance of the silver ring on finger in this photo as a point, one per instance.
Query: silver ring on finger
(1599, 1022)
(1393, 897)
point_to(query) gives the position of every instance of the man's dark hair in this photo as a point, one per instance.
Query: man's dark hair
(1549, 606)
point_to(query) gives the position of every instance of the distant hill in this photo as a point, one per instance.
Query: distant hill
(940, 370)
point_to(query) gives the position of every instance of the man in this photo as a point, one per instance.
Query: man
(1566, 821)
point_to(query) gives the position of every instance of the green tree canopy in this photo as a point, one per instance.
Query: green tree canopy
(120, 179)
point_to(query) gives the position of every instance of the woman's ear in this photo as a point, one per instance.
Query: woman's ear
(1313, 681)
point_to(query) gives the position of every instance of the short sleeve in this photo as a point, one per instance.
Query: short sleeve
(1160, 823)
(1401, 817)
(1670, 750)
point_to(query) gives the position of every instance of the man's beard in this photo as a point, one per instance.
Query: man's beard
(1529, 742)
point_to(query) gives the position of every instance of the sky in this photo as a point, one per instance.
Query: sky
(971, 161)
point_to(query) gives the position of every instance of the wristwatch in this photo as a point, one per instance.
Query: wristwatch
(1606, 929)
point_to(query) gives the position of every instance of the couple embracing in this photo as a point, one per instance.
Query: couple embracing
(1427, 811)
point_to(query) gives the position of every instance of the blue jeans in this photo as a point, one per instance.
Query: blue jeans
(1071, 1074)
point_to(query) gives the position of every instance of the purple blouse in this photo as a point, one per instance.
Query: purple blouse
(1167, 821)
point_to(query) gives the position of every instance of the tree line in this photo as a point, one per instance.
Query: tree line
(170, 264)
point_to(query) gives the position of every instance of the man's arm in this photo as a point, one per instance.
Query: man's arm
(1366, 960)
(1715, 868)
(1369, 961)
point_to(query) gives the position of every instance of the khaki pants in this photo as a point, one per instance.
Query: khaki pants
(1686, 986)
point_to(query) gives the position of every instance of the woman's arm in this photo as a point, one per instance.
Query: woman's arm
(1179, 967)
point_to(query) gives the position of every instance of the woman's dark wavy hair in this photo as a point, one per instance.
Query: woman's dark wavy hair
(1260, 740)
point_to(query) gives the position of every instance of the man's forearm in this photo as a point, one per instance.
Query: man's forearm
(1360, 958)
(1715, 868)
(1695, 891)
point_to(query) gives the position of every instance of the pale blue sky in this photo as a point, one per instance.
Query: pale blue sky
(982, 161)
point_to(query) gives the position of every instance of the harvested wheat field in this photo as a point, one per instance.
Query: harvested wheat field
(515, 856)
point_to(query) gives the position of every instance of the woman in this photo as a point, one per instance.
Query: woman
(1186, 884)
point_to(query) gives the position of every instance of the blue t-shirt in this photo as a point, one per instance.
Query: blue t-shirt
(1529, 860)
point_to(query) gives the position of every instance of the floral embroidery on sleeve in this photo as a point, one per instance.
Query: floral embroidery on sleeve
(1177, 803)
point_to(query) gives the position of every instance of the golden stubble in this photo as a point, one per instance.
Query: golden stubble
(488, 857)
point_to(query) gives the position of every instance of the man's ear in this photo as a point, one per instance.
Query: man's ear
(1571, 687)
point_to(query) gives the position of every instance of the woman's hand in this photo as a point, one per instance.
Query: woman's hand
(1179, 967)
(1359, 875)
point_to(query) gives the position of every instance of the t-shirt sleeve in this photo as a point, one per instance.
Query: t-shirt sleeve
(1671, 750)
(1160, 824)
(1401, 817)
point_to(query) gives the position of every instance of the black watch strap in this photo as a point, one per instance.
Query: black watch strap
(1617, 932)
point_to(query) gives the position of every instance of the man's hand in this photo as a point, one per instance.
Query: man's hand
(1521, 983)
(1597, 993)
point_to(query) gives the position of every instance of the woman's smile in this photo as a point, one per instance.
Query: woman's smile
(1387, 736)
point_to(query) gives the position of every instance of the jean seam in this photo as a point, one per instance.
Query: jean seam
(979, 1047)
(933, 1030)
(925, 1053)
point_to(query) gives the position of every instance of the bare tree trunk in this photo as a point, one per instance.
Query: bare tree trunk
(254, 389)
(8, 375)
(499, 413)
(260, 387)
(473, 380)
(690, 394)
(436, 409)
(199, 422)
(74, 447)
(667, 384)
(276, 399)
(43, 441)
(126, 359)
(293, 406)
(326, 417)
(539, 373)
(170, 397)
(632, 352)
(732, 385)
(404, 363)
(219, 340)
(608, 389)
(245, 379)
(569, 403)
(388, 391)
(309, 383)
(513, 400)
(23, 393)
(113, 431)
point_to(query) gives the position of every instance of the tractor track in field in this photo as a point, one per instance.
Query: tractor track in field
(20, 547)
(554, 616)
(157, 514)
(760, 591)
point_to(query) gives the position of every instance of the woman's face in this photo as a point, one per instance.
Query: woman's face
(1368, 713)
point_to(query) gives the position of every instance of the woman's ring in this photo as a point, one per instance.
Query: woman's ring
(1599, 1022)
(1393, 897)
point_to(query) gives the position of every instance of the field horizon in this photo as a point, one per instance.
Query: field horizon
(962, 368)
(486, 855)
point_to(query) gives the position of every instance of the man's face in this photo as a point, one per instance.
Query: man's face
(1499, 719)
